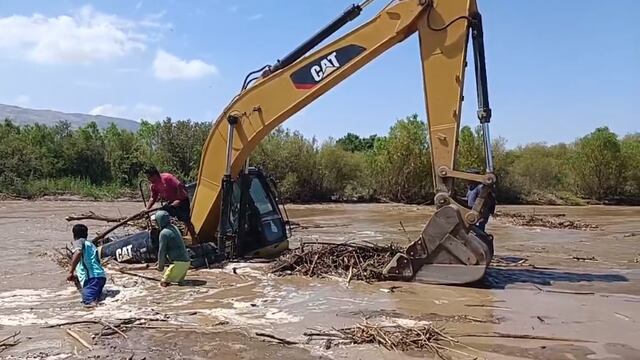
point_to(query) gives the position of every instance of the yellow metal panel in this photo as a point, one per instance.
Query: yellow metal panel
(274, 99)
(443, 56)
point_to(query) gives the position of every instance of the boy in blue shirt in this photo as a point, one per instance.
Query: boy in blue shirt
(90, 273)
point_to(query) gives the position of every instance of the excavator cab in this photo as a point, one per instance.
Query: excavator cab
(252, 224)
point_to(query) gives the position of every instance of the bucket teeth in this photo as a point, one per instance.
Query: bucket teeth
(399, 268)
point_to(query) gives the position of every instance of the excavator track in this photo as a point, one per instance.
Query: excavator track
(447, 252)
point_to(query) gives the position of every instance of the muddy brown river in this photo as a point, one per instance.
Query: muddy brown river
(593, 306)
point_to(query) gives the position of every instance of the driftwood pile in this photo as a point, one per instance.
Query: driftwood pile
(345, 260)
(551, 221)
(140, 221)
(62, 257)
(391, 337)
(142, 224)
(9, 341)
(121, 327)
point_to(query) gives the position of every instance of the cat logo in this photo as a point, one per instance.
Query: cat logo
(318, 69)
(326, 67)
(124, 253)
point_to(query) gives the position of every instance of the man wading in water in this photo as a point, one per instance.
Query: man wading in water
(167, 187)
(89, 273)
(171, 248)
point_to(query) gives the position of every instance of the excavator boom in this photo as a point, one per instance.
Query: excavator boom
(449, 242)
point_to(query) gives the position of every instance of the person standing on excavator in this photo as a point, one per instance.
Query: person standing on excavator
(167, 187)
(473, 192)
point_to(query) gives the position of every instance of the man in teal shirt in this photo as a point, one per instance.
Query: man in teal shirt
(171, 249)
(90, 273)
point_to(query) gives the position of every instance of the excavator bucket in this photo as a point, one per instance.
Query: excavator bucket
(447, 252)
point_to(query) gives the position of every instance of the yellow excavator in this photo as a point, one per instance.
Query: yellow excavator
(235, 207)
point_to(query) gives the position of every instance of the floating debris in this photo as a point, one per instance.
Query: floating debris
(10, 341)
(391, 337)
(345, 260)
(551, 221)
(580, 258)
(61, 257)
(140, 223)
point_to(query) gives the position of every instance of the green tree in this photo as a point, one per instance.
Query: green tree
(354, 143)
(401, 163)
(18, 160)
(598, 164)
(631, 156)
(177, 146)
(85, 155)
(292, 160)
(125, 154)
(470, 149)
(342, 172)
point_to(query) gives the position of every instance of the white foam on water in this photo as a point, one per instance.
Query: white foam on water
(30, 298)
(245, 314)
(356, 301)
(281, 317)
(22, 319)
(261, 311)
(369, 233)
(390, 321)
(124, 304)
(58, 357)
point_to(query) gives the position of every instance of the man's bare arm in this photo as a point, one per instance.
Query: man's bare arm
(152, 200)
(75, 259)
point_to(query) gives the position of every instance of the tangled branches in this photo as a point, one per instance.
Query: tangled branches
(556, 221)
(61, 257)
(391, 337)
(10, 341)
(346, 260)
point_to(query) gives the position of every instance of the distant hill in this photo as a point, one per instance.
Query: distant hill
(23, 116)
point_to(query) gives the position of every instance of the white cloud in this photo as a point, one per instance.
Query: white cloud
(255, 17)
(153, 20)
(167, 66)
(109, 110)
(83, 37)
(233, 8)
(136, 112)
(22, 100)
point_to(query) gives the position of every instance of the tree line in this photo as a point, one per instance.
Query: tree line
(37, 160)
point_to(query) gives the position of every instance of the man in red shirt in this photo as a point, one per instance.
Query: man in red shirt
(168, 188)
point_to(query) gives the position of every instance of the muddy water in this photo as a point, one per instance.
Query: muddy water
(234, 302)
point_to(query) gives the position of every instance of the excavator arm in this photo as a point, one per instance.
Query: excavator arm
(443, 27)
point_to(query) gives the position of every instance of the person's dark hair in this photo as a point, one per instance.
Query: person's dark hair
(80, 231)
(151, 170)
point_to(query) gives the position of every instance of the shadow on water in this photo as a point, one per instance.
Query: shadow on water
(109, 293)
(193, 283)
(499, 278)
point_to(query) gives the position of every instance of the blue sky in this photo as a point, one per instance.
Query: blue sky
(557, 69)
